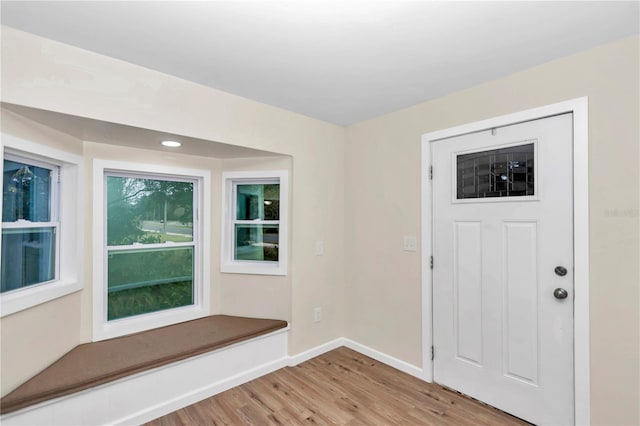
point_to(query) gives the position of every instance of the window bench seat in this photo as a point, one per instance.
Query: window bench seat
(93, 364)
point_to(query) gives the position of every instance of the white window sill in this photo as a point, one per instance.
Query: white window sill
(253, 268)
(138, 323)
(26, 298)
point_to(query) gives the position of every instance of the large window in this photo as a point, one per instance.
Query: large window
(29, 223)
(255, 226)
(40, 258)
(150, 244)
(151, 248)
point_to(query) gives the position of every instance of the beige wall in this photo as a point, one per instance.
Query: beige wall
(383, 204)
(33, 339)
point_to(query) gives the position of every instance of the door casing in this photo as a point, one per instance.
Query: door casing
(579, 108)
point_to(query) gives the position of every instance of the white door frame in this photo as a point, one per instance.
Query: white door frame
(579, 107)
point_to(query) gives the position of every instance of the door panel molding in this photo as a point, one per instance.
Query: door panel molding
(579, 108)
(522, 234)
(467, 287)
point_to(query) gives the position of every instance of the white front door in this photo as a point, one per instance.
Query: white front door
(503, 260)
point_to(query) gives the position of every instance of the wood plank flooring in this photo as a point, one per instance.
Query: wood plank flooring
(341, 387)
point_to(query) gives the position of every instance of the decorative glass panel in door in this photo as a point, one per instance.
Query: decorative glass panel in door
(504, 172)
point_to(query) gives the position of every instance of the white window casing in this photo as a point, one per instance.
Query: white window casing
(53, 222)
(66, 202)
(104, 329)
(230, 181)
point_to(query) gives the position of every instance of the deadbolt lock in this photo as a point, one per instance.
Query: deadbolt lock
(560, 271)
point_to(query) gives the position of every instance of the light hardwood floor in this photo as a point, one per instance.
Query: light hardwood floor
(341, 387)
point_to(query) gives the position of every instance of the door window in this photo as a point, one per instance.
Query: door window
(503, 172)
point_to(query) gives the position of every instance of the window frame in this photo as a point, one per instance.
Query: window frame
(230, 181)
(54, 215)
(65, 205)
(102, 327)
(519, 198)
(194, 243)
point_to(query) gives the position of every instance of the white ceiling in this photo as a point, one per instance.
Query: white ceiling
(339, 61)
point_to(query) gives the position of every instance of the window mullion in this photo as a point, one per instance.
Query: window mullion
(150, 246)
(25, 224)
(256, 222)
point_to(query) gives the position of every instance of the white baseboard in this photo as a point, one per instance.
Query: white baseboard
(384, 358)
(145, 396)
(358, 347)
(317, 351)
(197, 395)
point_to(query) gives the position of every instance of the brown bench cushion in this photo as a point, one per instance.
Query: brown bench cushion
(92, 364)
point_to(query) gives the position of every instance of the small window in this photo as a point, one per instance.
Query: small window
(256, 221)
(255, 232)
(30, 224)
(504, 172)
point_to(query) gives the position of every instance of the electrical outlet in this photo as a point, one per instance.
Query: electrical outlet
(319, 248)
(410, 244)
(317, 314)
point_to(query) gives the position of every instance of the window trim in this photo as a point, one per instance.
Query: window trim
(104, 329)
(68, 203)
(230, 180)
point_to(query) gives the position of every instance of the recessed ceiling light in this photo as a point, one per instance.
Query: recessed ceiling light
(171, 144)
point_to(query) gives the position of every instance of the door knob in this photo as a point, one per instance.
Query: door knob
(560, 293)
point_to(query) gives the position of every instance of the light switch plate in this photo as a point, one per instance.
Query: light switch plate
(410, 244)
